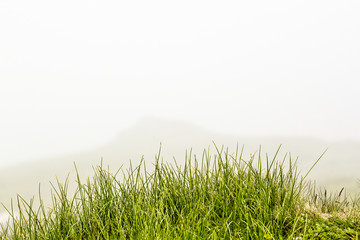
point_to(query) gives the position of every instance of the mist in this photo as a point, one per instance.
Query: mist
(77, 76)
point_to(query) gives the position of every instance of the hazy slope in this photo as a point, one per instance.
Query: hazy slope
(339, 167)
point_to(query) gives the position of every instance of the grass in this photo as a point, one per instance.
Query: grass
(215, 197)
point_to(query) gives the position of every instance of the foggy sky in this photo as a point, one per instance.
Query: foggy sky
(75, 73)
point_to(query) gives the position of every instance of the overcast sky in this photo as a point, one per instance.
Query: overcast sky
(73, 73)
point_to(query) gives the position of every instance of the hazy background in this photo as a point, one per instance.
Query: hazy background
(76, 74)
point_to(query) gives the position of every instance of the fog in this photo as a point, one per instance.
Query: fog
(76, 75)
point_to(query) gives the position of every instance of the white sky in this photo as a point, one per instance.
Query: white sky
(73, 73)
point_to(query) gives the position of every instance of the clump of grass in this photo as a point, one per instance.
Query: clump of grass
(219, 197)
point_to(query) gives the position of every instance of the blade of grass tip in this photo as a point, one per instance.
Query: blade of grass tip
(217, 149)
(267, 165)
(176, 168)
(40, 221)
(239, 159)
(57, 193)
(259, 161)
(159, 152)
(275, 156)
(101, 162)
(28, 208)
(15, 222)
(293, 168)
(77, 174)
(237, 151)
(11, 213)
(226, 162)
(203, 159)
(314, 164)
(249, 164)
(242, 152)
(219, 163)
(341, 192)
(176, 164)
(42, 207)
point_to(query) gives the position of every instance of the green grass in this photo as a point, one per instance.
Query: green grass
(215, 197)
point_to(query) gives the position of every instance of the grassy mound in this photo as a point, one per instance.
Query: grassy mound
(219, 197)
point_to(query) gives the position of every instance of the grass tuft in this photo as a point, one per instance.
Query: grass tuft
(219, 197)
